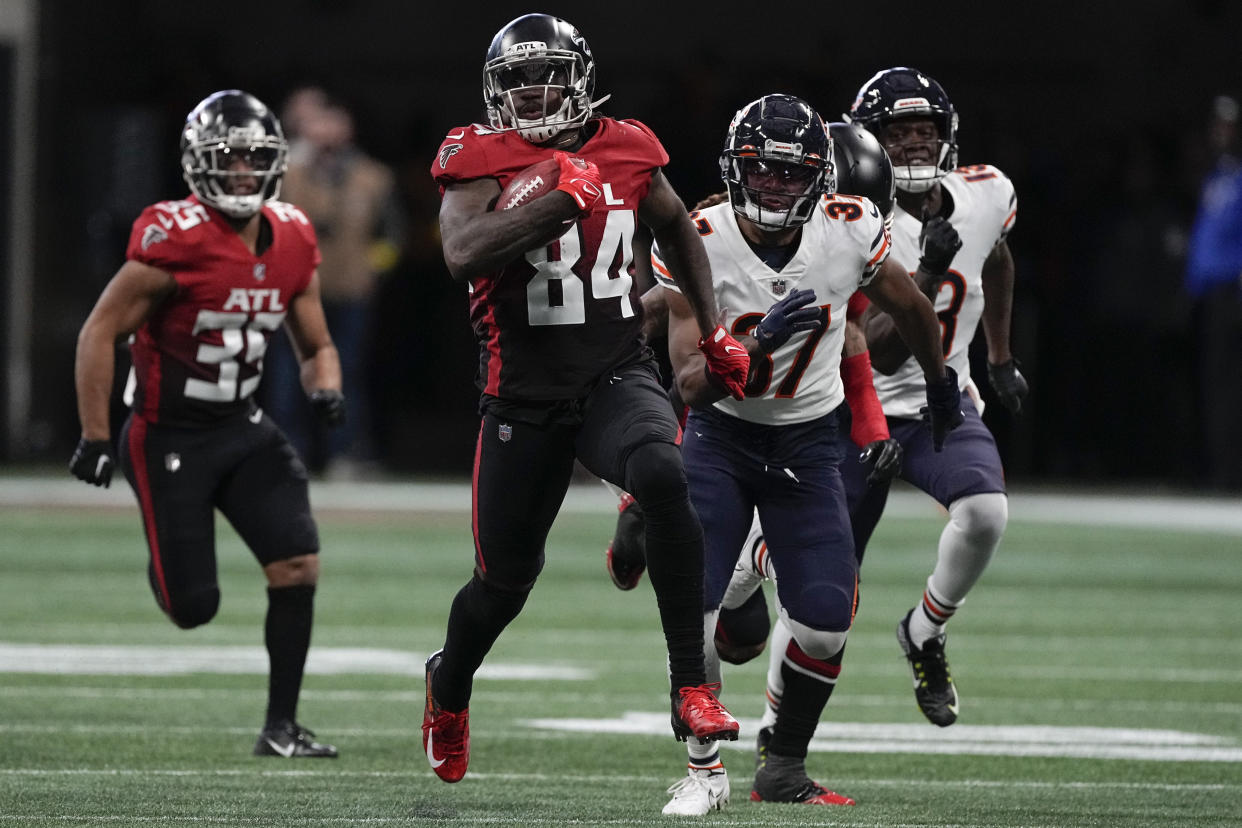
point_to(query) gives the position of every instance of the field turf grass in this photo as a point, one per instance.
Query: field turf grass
(1100, 672)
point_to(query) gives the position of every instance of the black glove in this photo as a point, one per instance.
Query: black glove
(93, 462)
(1009, 384)
(786, 318)
(944, 407)
(938, 244)
(329, 405)
(883, 457)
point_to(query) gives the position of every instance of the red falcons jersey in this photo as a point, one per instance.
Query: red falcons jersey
(551, 322)
(199, 356)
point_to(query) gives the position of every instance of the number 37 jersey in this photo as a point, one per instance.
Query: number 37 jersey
(199, 356)
(840, 250)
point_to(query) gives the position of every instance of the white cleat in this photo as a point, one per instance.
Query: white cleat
(753, 567)
(699, 792)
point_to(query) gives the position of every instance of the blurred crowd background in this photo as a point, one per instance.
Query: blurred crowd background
(1109, 117)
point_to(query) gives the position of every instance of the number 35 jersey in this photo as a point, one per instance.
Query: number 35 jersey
(841, 248)
(199, 356)
(553, 320)
(984, 210)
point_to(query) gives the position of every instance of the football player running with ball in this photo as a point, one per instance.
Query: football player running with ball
(562, 368)
(954, 222)
(786, 255)
(207, 282)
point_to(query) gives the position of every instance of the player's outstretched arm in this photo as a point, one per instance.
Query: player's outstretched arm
(478, 240)
(911, 314)
(126, 302)
(320, 364)
(681, 248)
(1003, 374)
(124, 305)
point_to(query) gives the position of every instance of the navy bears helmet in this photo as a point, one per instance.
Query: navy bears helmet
(543, 53)
(902, 92)
(777, 161)
(231, 144)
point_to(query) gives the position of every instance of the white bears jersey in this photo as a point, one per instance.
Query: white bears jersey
(984, 210)
(841, 249)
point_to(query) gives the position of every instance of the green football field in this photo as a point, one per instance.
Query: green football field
(1099, 664)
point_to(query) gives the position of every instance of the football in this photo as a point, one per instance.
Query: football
(537, 180)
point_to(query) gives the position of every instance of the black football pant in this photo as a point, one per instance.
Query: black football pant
(626, 434)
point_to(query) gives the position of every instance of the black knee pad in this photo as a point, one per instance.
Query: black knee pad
(742, 633)
(654, 475)
(194, 608)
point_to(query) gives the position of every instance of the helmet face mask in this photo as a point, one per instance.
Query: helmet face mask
(538, 78)
(777, 162)
(895, 95)
(233, 153)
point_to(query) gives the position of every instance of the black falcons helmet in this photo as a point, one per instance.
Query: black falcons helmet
(777, 161)
(227, 127)
(902, 92)
(542, 52)
(862, 165)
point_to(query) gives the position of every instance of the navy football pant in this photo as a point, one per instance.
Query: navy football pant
(968, 464)
(790, 473)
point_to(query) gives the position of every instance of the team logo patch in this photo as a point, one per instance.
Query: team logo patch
(506, 432)
(779, 286)
(154, 234)
(172, 461)
(447, 152)
(260, 272)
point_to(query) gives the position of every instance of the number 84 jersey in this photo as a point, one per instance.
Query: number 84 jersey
(840, 250)
(199, 356)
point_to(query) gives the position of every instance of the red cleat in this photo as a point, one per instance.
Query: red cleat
(701, 714)
(816, 795)
(626, 557)
(446, 736)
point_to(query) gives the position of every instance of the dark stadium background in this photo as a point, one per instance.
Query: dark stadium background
(1096, 111)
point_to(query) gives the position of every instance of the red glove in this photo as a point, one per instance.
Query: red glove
(727, 362)
(580, 178)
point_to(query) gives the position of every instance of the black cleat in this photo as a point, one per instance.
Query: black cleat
(626, 557)
(290, 740)
(933, 686)
(784, 779)
(761, 746)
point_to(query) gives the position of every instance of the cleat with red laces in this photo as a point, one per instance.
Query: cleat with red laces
(446, 736)
(626, 557)
(700, 714)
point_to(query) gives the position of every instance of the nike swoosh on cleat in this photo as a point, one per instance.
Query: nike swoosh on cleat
(431, 756)
(285, 752)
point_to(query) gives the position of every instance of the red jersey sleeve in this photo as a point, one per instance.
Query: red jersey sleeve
(462, 156)
(163, 235)
(649, 145)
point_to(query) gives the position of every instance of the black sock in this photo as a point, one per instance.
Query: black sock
(287, 633)
(674, 556)
(803, 701)
(479, 615)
